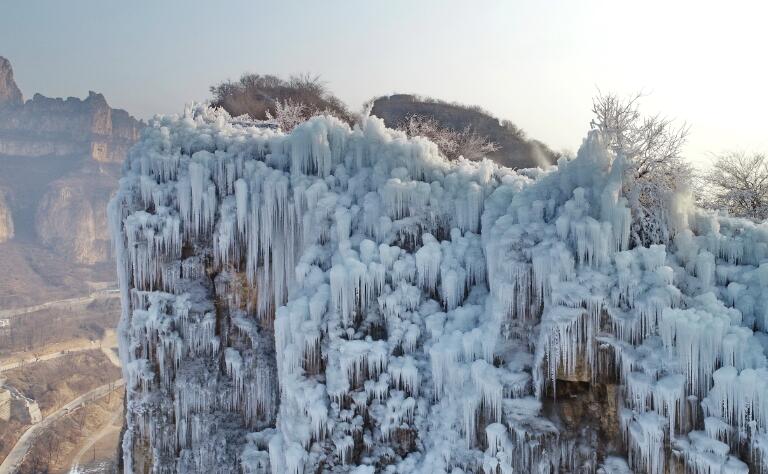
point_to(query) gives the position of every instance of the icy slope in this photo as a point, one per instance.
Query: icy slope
(340, 300)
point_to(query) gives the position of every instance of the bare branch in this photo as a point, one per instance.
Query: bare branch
(451, 143)
(738, 183)
(652, 147)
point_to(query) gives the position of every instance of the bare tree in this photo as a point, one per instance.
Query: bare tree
(474, 146)
(451, 143)
(51, 443)
(656, 171)
(79, 417)
(738, 183)
(288, 114)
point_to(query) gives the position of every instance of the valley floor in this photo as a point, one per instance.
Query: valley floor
(77, 385)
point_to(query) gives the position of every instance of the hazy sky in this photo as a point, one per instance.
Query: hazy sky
(537, 63)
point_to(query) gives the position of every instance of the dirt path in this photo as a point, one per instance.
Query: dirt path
(101, 294)
(108, 344)
(107, 430)
(16, 456)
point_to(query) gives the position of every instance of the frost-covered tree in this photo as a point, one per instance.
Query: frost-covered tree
(738, 183)
(656, 171)
(451, 143)
(288, 114)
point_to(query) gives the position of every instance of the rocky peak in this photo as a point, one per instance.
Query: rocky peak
(59, 161)
(9, 91)
(45, 126)
(101, 114)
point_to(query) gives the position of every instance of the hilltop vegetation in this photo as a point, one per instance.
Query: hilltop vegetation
(264, 97)
(458, 130)
(514, 148)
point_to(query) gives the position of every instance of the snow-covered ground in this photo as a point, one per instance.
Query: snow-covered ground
(346, 300)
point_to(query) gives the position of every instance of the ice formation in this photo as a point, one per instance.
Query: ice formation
(346, 300)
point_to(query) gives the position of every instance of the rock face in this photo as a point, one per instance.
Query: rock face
(515, 150)
(71, 218)
(59, 163)
(6, 219)
(340, 300)
(44, 126)
(91, 139)
(10, 95)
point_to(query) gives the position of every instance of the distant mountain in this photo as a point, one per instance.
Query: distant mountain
(515, 150)
(44, 126)
(60, 160)
(9, 92)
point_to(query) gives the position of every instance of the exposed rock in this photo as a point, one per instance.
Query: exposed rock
(6, 220)
(68, 210)
(46, 126)
(71, 218)
(9, 91)
(59, 163)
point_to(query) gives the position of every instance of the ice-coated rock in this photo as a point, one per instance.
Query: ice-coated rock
(345, 300)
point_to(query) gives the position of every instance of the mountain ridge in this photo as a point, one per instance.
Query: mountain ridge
(61, 159)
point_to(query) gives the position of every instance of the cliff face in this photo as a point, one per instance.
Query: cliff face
(345, 300)
(71, 217)
(10, 94)
(44, 126)
(6, 218)
(60, 160)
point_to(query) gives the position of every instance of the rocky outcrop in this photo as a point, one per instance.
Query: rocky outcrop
(10, 94)
(59, 163)
(44, 126)
(71, 218)
(6, 220)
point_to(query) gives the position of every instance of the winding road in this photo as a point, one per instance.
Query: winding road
(110, 428)
(107, 343)
(101, 294)
(16, 456)
(11, 463)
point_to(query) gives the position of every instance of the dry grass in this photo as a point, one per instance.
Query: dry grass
(55, 450)
(41, 330)
(10, 431)
(55, 383)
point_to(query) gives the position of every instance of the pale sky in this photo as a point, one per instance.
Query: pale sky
(537, 63)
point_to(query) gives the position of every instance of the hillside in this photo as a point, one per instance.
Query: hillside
(515, 149)
(60, 159)
(289, 102)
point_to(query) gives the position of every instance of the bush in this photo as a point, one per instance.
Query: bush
(451, 143)
(286, 102)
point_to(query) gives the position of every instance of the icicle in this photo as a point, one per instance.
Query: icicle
(405, 374)
(428, 263)
(360, 280)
